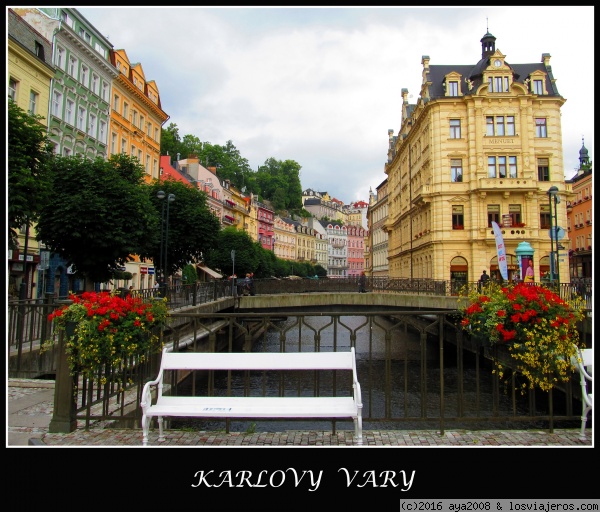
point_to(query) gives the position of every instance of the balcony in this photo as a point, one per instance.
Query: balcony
(459, 226)
(228, 219)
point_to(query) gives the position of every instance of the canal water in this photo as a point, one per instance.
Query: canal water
(398, 391)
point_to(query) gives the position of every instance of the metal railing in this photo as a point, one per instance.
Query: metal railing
(416, 370)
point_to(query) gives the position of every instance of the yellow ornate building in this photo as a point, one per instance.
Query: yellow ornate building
(136, 115)
(483, 143)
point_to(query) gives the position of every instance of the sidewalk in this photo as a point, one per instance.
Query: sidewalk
(30, 407)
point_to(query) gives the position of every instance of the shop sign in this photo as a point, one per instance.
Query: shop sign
(143, 270)
(151, 271)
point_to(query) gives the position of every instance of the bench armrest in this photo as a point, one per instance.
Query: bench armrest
(146, 400)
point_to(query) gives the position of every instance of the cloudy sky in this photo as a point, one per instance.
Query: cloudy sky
(322, 85)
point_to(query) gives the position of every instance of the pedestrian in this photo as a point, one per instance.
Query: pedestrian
(252, 290)
(529, 277)
(246, 284)
(362, 281)
(483, 279)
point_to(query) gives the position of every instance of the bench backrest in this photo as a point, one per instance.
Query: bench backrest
(258, 360)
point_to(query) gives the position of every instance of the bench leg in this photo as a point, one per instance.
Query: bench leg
(161, 434)
(145, 422)
(358, 430)
(584, 421)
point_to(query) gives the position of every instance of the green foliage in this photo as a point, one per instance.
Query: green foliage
(193, 229)
(28, 156)
(98, 214)
(280, 183)
(189, 274)
(246, 252)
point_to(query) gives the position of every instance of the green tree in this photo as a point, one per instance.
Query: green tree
(280, 182)
(28, 156)
(192, 228)
(246, 252)
(189, 274)
(98, 213)
(170, 141)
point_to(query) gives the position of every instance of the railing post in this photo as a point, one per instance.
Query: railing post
(63, 417)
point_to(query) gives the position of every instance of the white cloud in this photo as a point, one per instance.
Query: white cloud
(321, 86)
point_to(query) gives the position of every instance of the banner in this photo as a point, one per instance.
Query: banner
(500, 249)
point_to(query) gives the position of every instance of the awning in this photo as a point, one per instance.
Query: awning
(210, 272)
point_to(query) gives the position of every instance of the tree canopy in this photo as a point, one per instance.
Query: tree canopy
(98, 213)
(28, 156)
(192, 228)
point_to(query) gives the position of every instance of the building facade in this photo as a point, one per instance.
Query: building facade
(580, 220)
(30, 73)
(377, 264)
(482, 144)
(136, 116)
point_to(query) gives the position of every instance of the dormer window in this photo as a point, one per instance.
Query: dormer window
(537, 83)
(451, 85)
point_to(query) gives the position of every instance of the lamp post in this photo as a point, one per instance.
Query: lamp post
(554, 197)
(164, 227)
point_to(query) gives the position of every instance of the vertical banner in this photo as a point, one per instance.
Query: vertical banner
(500, 249)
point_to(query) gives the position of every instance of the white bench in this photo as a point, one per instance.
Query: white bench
(312, 407)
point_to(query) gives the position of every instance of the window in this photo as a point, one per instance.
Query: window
(452, 88)
(540, 127)
(455, 128)
(123, 146)
(156, 134)
(116, 103)
(85, 36)
(85, 71)
(113, 143)
(493, 213)
(149, 129)
(514, 210)
(538, 87)
(125, 109)
(100, 50)
(104, 91)
(492, 173)
(140, 155)
(73, 67)
(66, 18)
(12, 89)
(498, 83)
(69, 111)
(543, 169)
(92, 126)
(499, 125)
(458, 216)
(60, 58)
(33, 100)
(135, 118)
(95, 83)
(102, 131)
(81, 119)
(39, 50)
(142, 124)
(56, 103)
(456, 171)
(497, 166)
(544, 216)
(512, 166)
(147, 164)
(67, 152)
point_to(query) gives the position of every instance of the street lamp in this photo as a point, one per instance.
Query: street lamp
(554, 197)
(164, 227)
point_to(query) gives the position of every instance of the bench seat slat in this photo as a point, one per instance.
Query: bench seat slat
(259, 361)
(255, 407)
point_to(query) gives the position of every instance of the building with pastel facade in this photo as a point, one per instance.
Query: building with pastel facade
(30, 72)
(376, 260)
(580, 219)
(482, 144)
(136, 117)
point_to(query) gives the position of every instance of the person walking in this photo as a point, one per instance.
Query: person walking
(362, 281)
(252, 290)
(529, 277)
(483, 279)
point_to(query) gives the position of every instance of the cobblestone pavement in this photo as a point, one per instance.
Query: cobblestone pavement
(30, 410)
